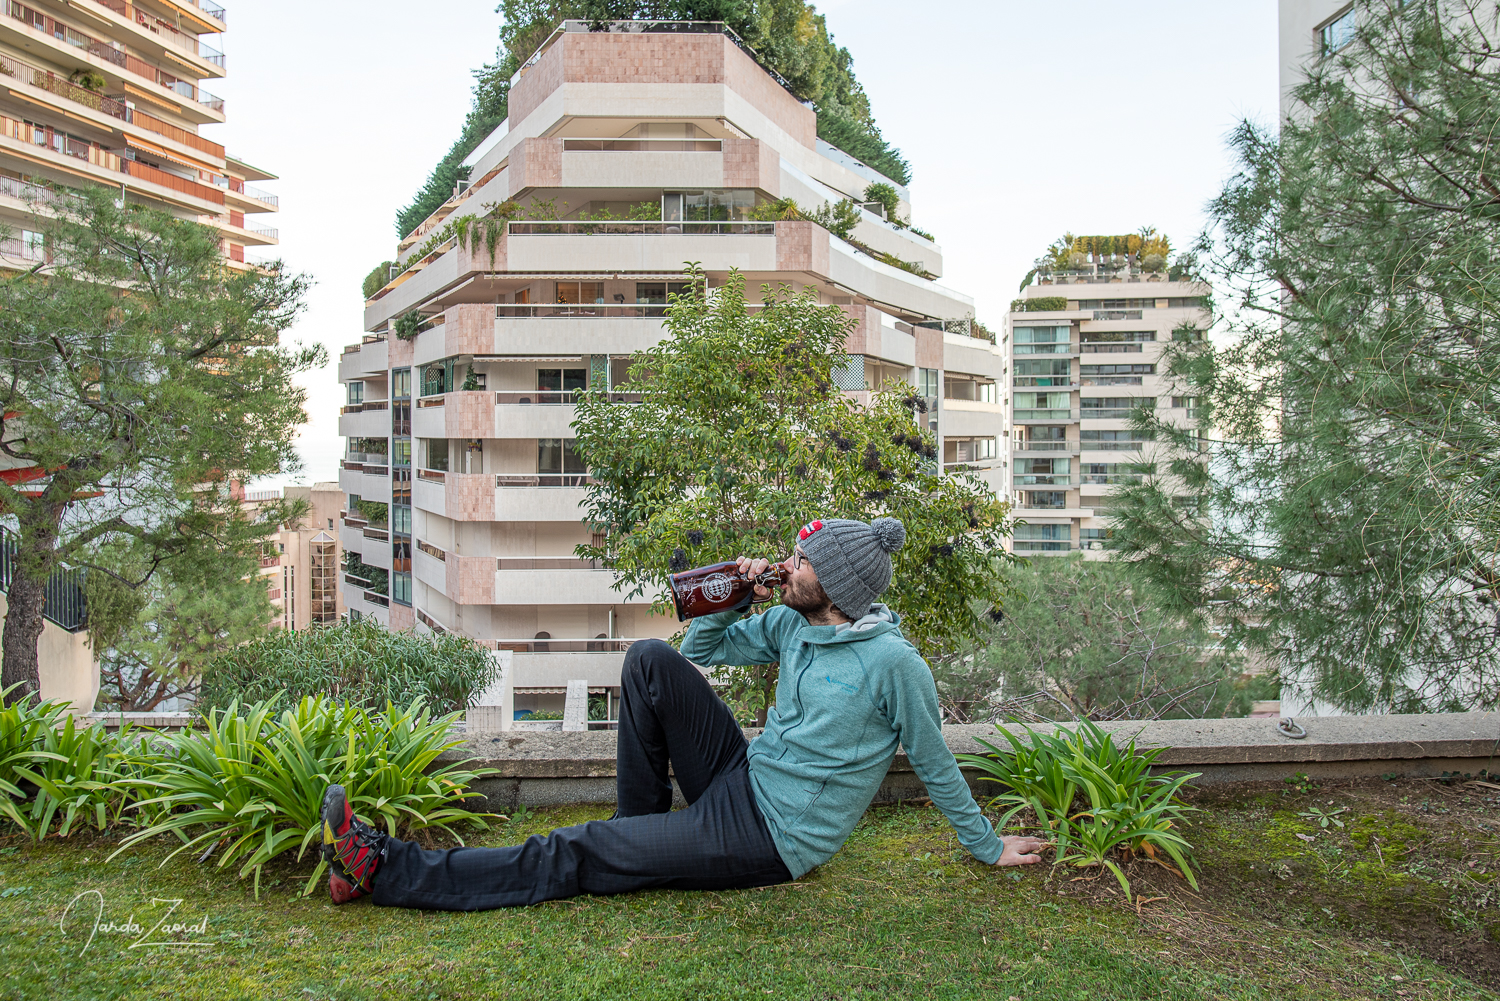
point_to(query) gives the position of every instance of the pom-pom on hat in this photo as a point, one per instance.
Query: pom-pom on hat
(852, 559)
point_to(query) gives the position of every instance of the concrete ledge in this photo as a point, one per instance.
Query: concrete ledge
(545, 769)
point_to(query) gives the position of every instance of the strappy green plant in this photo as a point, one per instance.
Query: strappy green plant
(250, 784)
(1130, 811)
(24, 726)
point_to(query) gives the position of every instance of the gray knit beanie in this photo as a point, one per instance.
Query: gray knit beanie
(852, 559)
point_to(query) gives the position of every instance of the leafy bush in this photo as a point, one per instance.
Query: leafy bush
(359, 661)
(253, 782)
(1038, 305)
(374, 512)
(377, 278)
(863, 141)
(886, 195)
(377, 577)
(408, 324)
(1128, 810)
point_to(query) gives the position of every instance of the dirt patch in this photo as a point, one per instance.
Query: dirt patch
(1406, 864)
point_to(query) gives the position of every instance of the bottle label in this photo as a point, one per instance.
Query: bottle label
(717, 587)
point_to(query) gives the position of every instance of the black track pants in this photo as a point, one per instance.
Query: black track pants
(668, 713)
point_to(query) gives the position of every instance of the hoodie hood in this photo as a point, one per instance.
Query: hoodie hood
(879, 621)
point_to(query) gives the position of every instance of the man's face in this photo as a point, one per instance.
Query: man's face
(801, 592)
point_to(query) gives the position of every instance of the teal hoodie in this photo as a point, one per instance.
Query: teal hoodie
(846, 696)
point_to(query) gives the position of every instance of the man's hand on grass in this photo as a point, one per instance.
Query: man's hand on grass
(1018, 850)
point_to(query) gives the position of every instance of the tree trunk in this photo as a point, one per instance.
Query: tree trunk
(23, 628)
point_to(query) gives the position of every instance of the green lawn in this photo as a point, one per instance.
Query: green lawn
(1389, 906)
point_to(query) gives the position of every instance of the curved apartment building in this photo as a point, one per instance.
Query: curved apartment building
(463, 486)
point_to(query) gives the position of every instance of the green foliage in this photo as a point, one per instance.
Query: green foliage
(377, 278)
(251, 783)
(152, 642)
(1099, 639)
(1342, 461)
(376, 577)
(148, 378)
(360, 662)
(887, 197)
(374, 512)
(408, 324)
(742, 437)
(787, 36)
(1041, 304)
(1127, 809)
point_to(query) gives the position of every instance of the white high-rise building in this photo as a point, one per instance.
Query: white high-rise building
(462, 479)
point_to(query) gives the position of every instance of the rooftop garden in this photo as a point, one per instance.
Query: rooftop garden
(1145, 251)
(1367, 889)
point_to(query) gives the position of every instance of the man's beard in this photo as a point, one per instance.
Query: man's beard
(806, 599)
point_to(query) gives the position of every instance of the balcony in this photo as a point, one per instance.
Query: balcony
(367, 420)
(1039, 546)
(1112, 446)
(575, 586)
(1045, 446)
(639, 246)
(1044, 415)
(165, 31)
(368, 359)
(246, 191)
(1045, 480)
(1111, 479)
(1111, 349)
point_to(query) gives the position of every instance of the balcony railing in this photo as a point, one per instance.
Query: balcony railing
(268, 232)
(240, 187)
(1059, 348)
(270, 561)
(355, 408)
(646, 228)
(1109, 349)
(156, 26)
(1111, 478)
(575, 310)
(377, 599)
(550, 397)
(644, 145)
(1045, 415)
(49, 81)
(432, 475)
(146, 172)
(546, 563)
(1112, 446)
(1044, 446)
(1040, 546)
(1044, 480)
(378, 534)
(1117, 314)
(63, 599)
(544, 480)
(1099, 414)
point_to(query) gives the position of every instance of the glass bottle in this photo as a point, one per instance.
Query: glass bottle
(719, 587)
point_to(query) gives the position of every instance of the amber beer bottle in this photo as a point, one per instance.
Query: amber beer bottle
(718, 587)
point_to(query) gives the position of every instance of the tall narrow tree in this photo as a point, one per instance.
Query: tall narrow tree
(1340, 497)
(141, 374)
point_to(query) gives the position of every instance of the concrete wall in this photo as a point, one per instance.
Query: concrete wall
(65, 664)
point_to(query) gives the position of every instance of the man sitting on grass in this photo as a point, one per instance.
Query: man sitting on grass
(759, 813)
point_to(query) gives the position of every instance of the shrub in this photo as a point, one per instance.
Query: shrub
(253, 782)
(1038, 305)
(360, 661)
(886, 195)
(1128, 811)
(377, 278)
(408, 324)
(374, 512)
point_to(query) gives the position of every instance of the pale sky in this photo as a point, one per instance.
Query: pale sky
(1020, 120)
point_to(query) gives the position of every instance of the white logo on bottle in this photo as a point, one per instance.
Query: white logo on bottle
(717, 587)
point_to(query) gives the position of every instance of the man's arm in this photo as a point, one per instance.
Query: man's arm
(725, 638)
(913, 708)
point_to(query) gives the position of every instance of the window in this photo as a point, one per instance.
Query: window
(438, 378)
(1184, 401)
(33, 246)
(437, 453)
(1041, 340)
(1119, 369)
(1041, 401)
(1042, 467)
(1113, 336)
(1108, 473)
(655, 293)
(1186, 302)
(324, 583)
(1044, 498)
(356, 393)
(561, 380)
(401, 518)
(580, 292)
(968, 449)
(1043, 538)
(1337, 33)
(1044, 366)
(1114, 441)
(707, 206)
(1116, 303)
(556, 456)
(401, 588)
(1113, 407)
(969, 389)
(401, 452)
(400, 383)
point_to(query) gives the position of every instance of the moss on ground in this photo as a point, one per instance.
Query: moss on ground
(901, 912)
